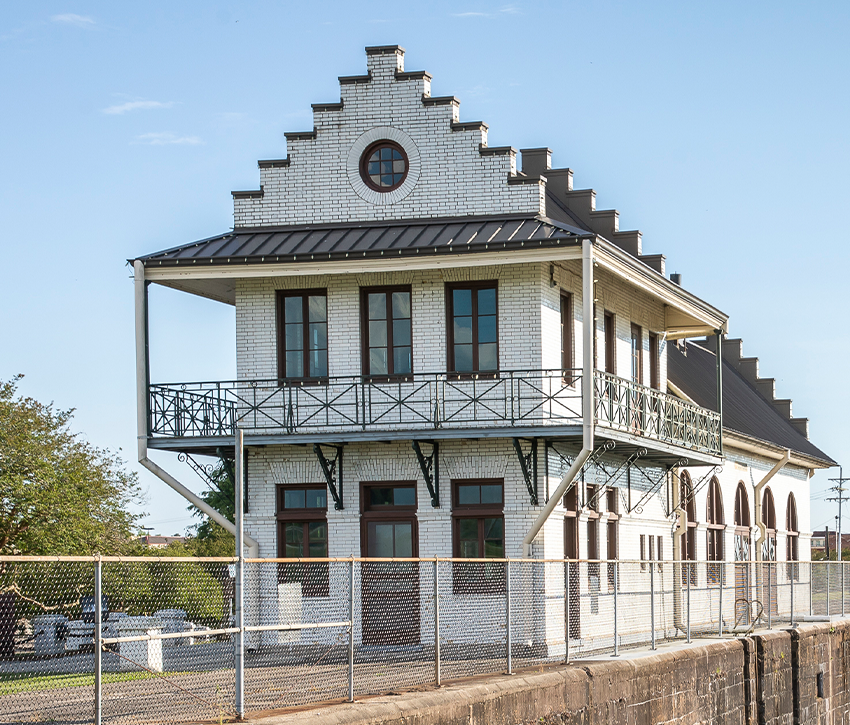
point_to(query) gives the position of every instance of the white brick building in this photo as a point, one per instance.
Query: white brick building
(420, 368)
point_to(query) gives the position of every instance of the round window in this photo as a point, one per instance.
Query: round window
(383, 166)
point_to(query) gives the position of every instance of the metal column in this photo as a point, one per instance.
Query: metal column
(239, 593)
(437, 673)
(351, 631)
(616, 637)
(652, 600)
(98, 647)
(508, 641)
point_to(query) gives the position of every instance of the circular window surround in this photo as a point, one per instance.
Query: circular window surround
(355, 155)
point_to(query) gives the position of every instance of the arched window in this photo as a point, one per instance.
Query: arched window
(792, 535)
(742, 523)
(689, 538)
(768, 517)
(715, 525)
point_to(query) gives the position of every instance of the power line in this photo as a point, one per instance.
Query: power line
(839, 489)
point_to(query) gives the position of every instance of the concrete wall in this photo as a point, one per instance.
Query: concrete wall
(765, 679)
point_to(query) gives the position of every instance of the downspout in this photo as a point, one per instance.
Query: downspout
(758, 488)
(142, 414)
(588, 408)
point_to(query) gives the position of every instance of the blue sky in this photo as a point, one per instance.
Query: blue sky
(718, 129)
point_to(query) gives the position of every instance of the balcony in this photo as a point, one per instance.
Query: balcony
(513, 403)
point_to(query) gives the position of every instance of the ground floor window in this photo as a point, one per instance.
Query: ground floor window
(479, 533)
(302, 533)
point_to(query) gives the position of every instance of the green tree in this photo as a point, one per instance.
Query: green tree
(58, 493)
(210, 539)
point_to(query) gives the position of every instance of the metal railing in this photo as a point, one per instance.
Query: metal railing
(426, 401)
(161, 647)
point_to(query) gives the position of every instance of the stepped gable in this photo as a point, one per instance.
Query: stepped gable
(749, 405)
(452, 172)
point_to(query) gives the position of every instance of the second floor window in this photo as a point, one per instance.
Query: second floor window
(387, 346)
(303, 334)
(472, 327)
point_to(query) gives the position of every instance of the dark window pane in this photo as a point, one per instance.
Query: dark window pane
(404, 540)
(401, 332)
(293, 309)
(461, 302)
(462, 330)
(494, 529)
(316, 498)
(294, 540)
(374, 167)
(293, 498)
(318, 308)
(294, 364)
(405, 496)
(468, 529)
(381, 540)
(487, 329)
(386, 167)
(378, 333)
(467, 495)
(381, 496)
(488, 358)
(387, 180)
(319, 364)
(402, 360)
(487, 302)
(294, 336)
(491, 494)
(377, 306)
(378, 361)
(401, 305)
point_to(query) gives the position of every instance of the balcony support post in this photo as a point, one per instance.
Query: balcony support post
(588, 404)
(430, 466)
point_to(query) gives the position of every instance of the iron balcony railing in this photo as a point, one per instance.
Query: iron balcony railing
(425, 401)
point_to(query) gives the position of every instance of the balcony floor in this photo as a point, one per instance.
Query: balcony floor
(657, 452)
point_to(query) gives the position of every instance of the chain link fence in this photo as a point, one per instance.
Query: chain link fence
(163, 640)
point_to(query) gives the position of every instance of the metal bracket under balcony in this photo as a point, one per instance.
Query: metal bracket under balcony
(430, 466)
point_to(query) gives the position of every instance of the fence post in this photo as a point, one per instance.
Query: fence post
(567, 572)
(842, 587)
(828, 567)
(811, 586)
(769, 597)
(437, 674)
(720, 602)
(98, 636)
(508, 615)
(652, 600)
(688, 577)
(351, 631)
(616, 638)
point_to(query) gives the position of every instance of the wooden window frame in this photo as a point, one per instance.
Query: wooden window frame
(304, 294)
(364, 332)
(715, 528)
(609, 332)
(318, 586)
(450, 347)
(792, 538)
(468, 577)
(364, 166)
(387, 513)
(636, 356)
(567, 341)
(654, 362)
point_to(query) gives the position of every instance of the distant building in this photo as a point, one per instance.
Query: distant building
(819, 541)
(160, 542)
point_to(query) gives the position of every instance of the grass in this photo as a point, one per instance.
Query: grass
(12, 683)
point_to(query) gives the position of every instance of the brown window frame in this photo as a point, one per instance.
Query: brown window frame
(318, 585)
(654, 362)
(364, 332)
(636, 353)
(364, 163)
(688, 543)
(567, 342)
(304, 294)
(792, 538)
(389, 512)
(609, 332)
(450, 345)
(469, 577)
(715, 527)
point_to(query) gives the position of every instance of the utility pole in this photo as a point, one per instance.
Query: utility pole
(839, 489)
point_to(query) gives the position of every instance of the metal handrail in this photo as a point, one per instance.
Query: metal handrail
(426, 401)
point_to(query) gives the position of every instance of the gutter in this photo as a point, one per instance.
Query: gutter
(142, 416)
(757, 493)
(587, 398)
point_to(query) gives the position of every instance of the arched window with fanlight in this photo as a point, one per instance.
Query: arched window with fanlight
(792, 537)
(743, 613)
(715, 527)
(768, 517)
(689, 537)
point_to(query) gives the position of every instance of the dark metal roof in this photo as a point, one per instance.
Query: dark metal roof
(371, 239)
(745, 410)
